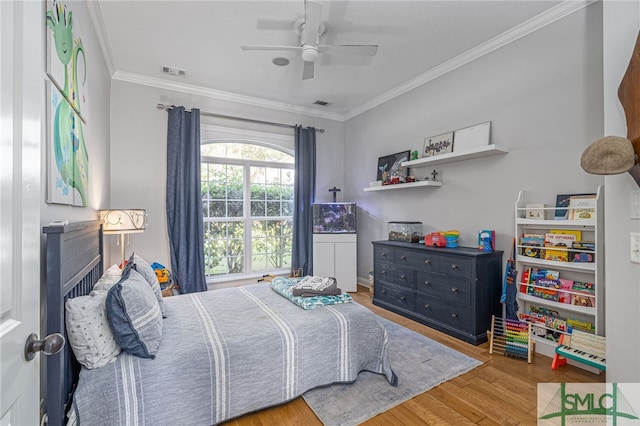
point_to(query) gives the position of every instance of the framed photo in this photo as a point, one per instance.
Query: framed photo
(473, 137)
(390, 170)
(67, 157)
(436, 145)
(66, 64)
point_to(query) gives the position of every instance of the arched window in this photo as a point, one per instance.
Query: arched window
(247, 207)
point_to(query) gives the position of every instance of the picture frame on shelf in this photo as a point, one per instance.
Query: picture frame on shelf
(535, 211)
(472, 137)
(390, 169)
(562, 200)
(437, 145)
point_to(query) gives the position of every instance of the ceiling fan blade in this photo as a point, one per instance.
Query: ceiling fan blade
(349, 49)
(307, 71)
(260, 47)
(312, 16)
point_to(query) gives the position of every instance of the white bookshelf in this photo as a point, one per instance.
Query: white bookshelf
(592, 230)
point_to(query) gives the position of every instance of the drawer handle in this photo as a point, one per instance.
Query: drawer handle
(427, 262)
(454, 315)
(383, 272)
(384, 254)
(384, 291)
(454, 266)
(404, 299)
(403, 257)
(403, 277)
(427, 307)
(454, 289)
(427, 283)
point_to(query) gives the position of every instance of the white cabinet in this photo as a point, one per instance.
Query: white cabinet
(335, 255)
(592, 231)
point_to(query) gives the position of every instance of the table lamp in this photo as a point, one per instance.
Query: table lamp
(122, 222)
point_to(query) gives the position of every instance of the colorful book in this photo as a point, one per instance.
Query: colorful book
(563, 241)
(537, 274)
(532, 248)
(586, 294)
(563, 200)
(546, 289)
(583, 207)
(564, 296)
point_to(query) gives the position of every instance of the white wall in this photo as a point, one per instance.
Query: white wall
(139, 160)
(621, 25)
(543, 95)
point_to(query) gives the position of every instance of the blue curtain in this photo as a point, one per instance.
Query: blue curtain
(304, 195)
(184, 200)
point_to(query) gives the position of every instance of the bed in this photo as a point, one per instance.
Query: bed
(222, 353)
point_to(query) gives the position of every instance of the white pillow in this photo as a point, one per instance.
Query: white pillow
(110, 277)
(88, 330)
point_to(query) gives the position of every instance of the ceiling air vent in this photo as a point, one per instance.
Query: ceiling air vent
(321, 103)
(174, 71)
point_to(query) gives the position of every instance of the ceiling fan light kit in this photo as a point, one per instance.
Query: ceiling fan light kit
(310, 28)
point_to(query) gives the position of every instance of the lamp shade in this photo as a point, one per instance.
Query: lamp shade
(123, 221)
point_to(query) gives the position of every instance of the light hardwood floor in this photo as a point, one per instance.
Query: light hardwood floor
(502, 391)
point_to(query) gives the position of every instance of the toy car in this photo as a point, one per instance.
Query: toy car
(435, 239)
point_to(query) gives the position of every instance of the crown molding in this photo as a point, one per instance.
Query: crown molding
(95, 13)
(221, 95)
(551, 15)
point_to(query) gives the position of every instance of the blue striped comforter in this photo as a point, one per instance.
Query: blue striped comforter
(228, 352)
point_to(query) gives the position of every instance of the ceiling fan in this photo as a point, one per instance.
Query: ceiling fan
(310, 28)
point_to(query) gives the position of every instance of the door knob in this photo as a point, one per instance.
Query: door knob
(50, 345)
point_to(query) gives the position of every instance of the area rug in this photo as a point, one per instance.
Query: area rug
(420, 364)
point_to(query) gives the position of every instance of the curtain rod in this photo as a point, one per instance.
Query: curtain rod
(230, 117)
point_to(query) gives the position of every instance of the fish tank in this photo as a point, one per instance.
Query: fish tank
(334, 218)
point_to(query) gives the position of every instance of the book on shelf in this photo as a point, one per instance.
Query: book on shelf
(581, 325)
(565, 296)
(582, 207)
(534, 211)
(550, 323)
(524, 281)
(563, 200)
(583, 251)
(535, 275)
(546, 289)
(586, 294)
(561, 240)
(532, 246)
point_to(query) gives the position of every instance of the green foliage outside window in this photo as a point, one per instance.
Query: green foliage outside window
(268, 226)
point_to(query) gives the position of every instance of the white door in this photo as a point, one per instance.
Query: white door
(21, 106)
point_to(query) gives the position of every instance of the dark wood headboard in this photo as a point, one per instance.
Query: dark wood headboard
(74, 262)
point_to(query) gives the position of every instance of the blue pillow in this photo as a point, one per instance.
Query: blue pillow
(134, 315)
(143, 268)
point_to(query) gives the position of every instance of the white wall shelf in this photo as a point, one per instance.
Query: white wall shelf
(484, 151)
(403, 185)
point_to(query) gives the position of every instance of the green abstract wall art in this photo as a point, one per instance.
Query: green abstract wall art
(68, 159)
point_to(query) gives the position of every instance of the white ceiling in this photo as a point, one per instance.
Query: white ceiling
(418, 40)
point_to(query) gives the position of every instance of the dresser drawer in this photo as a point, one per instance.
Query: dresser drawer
(383, 254)
(455, 266)
(402, 276)
(453, 315)
(422, 261)
(444, 288)
(398, 296)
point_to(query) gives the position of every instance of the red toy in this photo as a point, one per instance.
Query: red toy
(435, 239)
